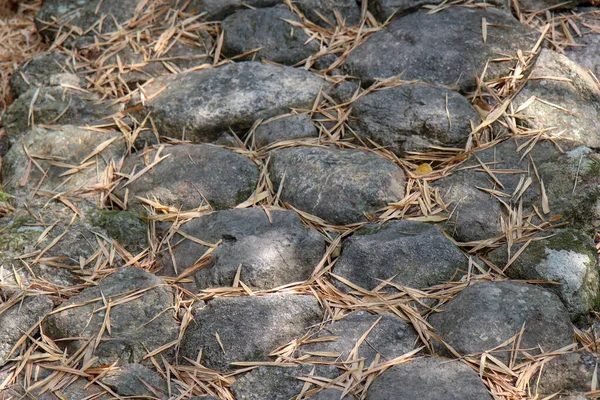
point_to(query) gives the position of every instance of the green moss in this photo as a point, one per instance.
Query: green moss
(126, 227)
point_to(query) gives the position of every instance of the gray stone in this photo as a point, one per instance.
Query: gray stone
(486, 314)
(414, 254)
(568, 258)
(348, 9)
(570, 179)
(285, 128)
(191, 176)
(17, 320)
(249, 328)
(47, 69)
(126, 227)
(390, 338)
(384, 9)
(446, 48)
(55, 106)
(570, 374)
(83, 14)
(216, 10)
(267, 28)
(138, 326)
(273, 250)
(338, 185)
(276, 383)
(428, 378)
(414, 117)
(579, 97)
(60, 151)
(79, 389)
(536, 5)
(587, 54)
(134, 379)
(331, 394)
(203, 104)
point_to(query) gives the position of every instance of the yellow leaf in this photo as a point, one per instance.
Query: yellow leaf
(424, 169)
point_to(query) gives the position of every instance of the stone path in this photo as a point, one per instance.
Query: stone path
(327, 199)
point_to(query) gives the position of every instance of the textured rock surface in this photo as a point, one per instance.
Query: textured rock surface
(275, 383)
(588, 55)
(60, 151)
(188, 177)
(216, 10)
(486, 314)
(569, 374)
(384, 9)
(441, 48)
(273, 249)
(578, 95)
(55, 106)
(338, 185)
(569, 258)
(331, 394)
(249, 328)
(47, 69)
(390, 338)
(266, 28)
(286, 128)
(138, 325)
(428, 378)
(18, 320)
(314, 9)
(413, 117)
(414, 254)
(134, 379)
(206, 103)
(476, 215)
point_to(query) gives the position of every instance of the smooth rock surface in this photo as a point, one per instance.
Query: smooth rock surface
(286, 128)
(249, 328)
(268, 29)
(17, 320)
(414, 254)
(578, 97)
(428, 378)
(414, 117)
(390, 338)
(273, 250)
(568, 258)
(134, 379)
(445, 48)
(338, 185)
(203, 104)
(139, 326)
(188, 178)
(486, 314)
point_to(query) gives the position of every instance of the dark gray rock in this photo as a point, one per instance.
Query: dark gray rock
(204, 104)
(568, 258)
(348, 9)
(55, 106)
(446, 48)
(291, 127)
(570, 180)
(47, 69)
(191, 176)
(587, 54)
(276, 383)
(535, 5)
(413, 117)
(132, 380)
(139, 326)
(390, 338)
(570, 374)
(486, 314)
(414, 254)
(126, 227)
(266, 28)
(579, 96)
(384, 9)
(17, 320)
(331, 394)
(428, 378)
(59, 151)
(83, 14)
(216, 10)
(249, 328)
(273, 249)
(338, 185)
